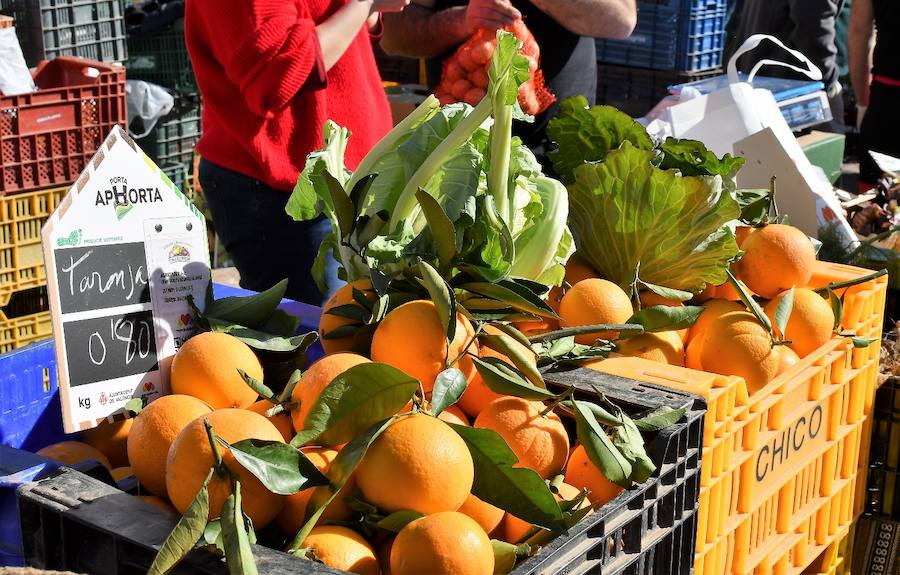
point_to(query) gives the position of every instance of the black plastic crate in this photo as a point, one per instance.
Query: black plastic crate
(92, 29)
(73, 522)
(173, 138)
(636, 91)
(161, 57)
(883, 487)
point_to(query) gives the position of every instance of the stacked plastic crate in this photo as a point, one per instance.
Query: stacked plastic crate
(674, 41)
(46, 137)
(92, 29)
(158, 54)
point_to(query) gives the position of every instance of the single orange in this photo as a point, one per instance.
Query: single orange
(485, 514)
(737, 344)
(776, 258)
(787, 359)
(727, 292)
(741, 233)
(454, 414)
(712, 310)
(581, 473)
(153, 432)
(539, 441)
(445, 543)
(317, 378)
(74, 453)
(342, 548)
(811, 323)
(207, 366)
(577, 270)
(412, 339)
(693, 353)
(417, 463)
(191, 457)
(662, 347)
(111, 439)
(595, 301)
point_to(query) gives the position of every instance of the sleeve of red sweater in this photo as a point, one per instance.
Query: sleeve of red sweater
(267, 48)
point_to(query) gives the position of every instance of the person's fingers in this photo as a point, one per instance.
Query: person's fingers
(489, 23)
(497, 18)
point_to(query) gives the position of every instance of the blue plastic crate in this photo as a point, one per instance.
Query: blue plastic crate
(686, 36)
(17, 467)
(29, 401)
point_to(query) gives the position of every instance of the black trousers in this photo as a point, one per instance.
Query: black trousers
(265, 243)
(880, 130)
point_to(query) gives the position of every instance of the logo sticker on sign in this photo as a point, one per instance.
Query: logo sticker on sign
(123, 250)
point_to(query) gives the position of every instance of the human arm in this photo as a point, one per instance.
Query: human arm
(337, 32)
(596, 18)
(269, 49)
(859, 42)
(422, 31)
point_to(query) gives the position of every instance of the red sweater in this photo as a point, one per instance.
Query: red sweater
(259, 68)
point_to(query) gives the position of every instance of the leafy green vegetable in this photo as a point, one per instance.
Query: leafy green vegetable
(691, 158)
(501, 217)
(627, 213)
(586, 135)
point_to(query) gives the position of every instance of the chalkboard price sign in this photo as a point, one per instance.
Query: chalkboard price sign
(124, 250)
(102, 276)
(110, 347)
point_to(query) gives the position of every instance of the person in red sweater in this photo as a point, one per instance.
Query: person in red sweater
(270, 73)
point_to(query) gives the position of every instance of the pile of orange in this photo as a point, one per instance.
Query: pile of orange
(727, 338)
(418, 463)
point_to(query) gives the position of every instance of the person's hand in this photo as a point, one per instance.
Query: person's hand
(491, 14)
(389, 5)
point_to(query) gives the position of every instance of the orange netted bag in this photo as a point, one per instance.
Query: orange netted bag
(465, 74)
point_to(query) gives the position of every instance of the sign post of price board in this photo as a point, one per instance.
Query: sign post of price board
(124, 250)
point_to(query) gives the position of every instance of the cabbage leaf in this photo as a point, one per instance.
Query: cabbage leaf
(585, 134)
(628, 216)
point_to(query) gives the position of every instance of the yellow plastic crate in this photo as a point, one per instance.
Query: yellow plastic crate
(837, 557)
(21, 258)
(25, 319)
(783, 471)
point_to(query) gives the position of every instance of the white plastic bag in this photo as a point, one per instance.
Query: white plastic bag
(147, 102)
(728, 115)
(14, 75)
